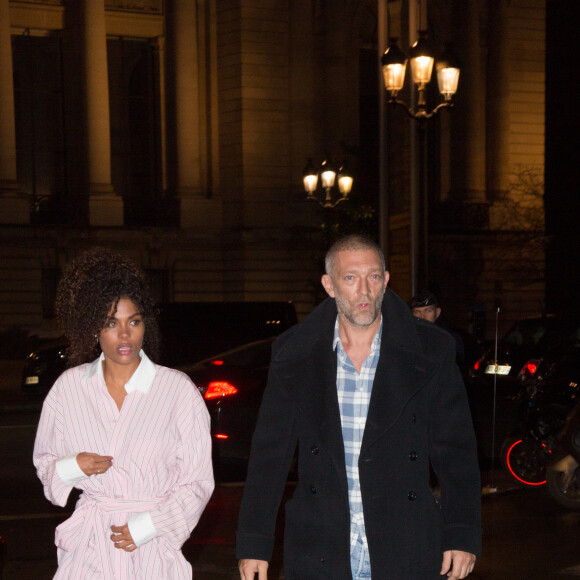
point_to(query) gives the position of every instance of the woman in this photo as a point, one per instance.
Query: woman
(132, 435)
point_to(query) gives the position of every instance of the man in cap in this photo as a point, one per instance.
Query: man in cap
(425, 305)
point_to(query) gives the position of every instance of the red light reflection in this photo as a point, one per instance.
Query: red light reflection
(218, 389)
(512, 471)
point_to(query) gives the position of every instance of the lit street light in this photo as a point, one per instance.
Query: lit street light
(328, 177)
(394, 65)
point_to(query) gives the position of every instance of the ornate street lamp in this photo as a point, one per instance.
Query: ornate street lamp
(394, 65)
(329, 175)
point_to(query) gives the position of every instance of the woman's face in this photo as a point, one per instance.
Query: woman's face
(122, 336)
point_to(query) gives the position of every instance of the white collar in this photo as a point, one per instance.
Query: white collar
(140, 380)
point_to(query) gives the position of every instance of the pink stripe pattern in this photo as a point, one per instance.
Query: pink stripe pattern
(161, 448)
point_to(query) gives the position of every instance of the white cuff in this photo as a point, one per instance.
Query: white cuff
(69, 471)
(142, 528)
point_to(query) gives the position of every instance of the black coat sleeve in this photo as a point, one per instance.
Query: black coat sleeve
(453, 454)
(273, 447)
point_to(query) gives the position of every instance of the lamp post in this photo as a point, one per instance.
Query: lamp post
(329, 175)
(394, 65)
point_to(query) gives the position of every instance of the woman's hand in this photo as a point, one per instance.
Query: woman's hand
(93, 464)
(122, 538)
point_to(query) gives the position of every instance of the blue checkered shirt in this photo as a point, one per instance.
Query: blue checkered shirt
(354, 394)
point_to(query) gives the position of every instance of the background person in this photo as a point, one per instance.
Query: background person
(132, 435)
(425, 305)
(371, 396)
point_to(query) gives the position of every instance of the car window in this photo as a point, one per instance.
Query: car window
(193, 331)
(545, 333)
(526, 332)
(254, 355)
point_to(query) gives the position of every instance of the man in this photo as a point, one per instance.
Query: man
(425, 305)
(371, 396)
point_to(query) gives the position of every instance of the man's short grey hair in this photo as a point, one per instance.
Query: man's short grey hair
(351, 243)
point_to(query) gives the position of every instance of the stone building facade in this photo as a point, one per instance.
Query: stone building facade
(176, 131)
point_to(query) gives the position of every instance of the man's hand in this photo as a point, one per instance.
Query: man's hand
(457, 564)
(250, 567)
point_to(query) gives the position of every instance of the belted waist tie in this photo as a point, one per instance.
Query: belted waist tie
(108, 504)
(93, 505)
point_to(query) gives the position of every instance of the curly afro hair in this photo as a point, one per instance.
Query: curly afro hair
(93, 282)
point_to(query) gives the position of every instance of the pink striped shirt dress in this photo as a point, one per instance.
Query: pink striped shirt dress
(160, 481)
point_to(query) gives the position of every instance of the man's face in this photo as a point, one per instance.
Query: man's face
(358, 284)
(430, 313)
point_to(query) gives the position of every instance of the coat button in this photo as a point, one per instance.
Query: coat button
(413, 456)
(412, 496)
(313, 489)
(314, 450)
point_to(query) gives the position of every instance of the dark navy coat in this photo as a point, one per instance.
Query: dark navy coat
(418, 414)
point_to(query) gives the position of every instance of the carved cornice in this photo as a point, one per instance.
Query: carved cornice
(43, 2)
(148, 6)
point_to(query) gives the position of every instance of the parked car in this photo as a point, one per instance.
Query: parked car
(190, 331)
(528, 344)
(528, 341)
(232, 384)
(43, 366)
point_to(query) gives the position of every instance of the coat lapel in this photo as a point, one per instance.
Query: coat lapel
(402, 370)
(400, 375)
(312, 382)
(327, 409)
(307, 366)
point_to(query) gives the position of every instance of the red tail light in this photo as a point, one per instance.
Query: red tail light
(476, 365)
(530, 368)
(218, 389)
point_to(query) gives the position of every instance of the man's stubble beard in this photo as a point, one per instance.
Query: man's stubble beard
(343, 307)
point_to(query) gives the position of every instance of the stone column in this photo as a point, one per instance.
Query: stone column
(468, 118)
(185, 65)
(14, 205)
(498, 110)
(105, 207)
